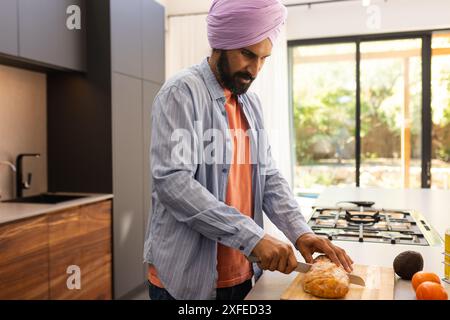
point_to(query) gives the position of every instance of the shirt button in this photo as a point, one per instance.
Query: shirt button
(241, 248)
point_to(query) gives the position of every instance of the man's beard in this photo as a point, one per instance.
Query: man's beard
(231, 82)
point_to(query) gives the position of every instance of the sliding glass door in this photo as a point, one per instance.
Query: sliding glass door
(363, 114)
(391, 101)
(440, 105)
(323, 99)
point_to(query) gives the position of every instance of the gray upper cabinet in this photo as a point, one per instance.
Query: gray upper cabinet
(8, 27)
(126, 37)
(49, 33)
(153, 34)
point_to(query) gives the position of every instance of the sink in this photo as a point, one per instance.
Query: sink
(46, 198)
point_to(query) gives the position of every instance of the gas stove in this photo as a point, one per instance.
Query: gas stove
(367, 224)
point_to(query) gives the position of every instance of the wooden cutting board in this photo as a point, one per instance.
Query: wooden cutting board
(379, 285)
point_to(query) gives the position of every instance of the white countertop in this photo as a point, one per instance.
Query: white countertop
(432, 204)
(11, 211)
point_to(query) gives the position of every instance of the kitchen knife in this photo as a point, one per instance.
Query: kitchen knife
(304, 267)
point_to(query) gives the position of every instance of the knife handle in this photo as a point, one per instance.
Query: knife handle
(253, 259)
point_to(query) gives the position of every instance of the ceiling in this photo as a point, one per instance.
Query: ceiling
(175, 7)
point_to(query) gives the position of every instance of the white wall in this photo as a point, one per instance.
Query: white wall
(175, 7)
(187, 44)
(346, 18)
(351, 18)
(186, 6)
(23, 127)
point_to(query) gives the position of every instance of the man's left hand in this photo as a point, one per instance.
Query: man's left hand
(309, 243)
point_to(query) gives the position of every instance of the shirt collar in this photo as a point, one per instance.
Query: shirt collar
(214, 88)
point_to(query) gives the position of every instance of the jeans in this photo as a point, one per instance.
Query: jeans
(237, 292)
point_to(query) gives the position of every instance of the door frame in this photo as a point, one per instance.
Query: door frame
(426, 139)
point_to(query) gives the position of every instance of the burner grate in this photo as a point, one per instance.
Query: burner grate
(367, 225)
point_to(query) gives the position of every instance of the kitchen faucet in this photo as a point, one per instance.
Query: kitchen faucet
(21, 185)
(9, 164)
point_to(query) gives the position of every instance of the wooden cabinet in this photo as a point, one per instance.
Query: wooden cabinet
(46, 37)
(64, 236)
(96, 255)
(24, 259)
(37, 255)
(81, 237)
(8, 27)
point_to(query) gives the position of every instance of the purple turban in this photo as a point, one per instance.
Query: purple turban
(234, 24)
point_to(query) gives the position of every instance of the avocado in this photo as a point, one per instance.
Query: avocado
(407, 263)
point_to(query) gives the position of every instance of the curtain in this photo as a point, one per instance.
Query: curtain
(187, 44)
(272, 87)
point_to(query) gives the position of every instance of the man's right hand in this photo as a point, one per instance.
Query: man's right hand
(275, 255)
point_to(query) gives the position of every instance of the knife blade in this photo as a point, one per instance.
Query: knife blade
(303, 267)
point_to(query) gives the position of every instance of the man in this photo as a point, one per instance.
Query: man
(207, 215)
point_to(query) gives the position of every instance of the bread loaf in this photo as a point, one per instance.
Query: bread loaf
(325, 279)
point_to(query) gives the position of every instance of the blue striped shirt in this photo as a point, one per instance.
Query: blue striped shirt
(190, 157)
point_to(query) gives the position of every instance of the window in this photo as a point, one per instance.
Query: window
(324, 112)
(391, 101)
(440, 106)
(357, 109)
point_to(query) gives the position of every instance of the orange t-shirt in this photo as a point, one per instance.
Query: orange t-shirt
(232, 266)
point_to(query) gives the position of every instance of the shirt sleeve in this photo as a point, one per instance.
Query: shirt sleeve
(173, 149)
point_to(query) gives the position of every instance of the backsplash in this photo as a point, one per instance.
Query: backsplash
(23, 127)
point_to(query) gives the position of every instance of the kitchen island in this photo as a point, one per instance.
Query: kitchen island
(433, 206)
